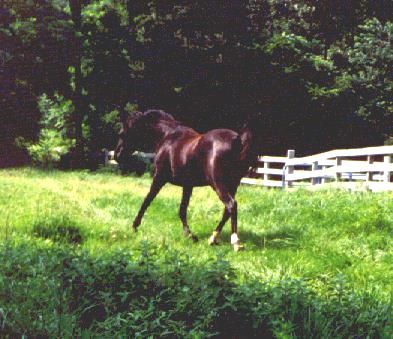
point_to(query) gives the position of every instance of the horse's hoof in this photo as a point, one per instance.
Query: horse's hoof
(238, 247)
(193, 237)
(213, 240)
(135, 229)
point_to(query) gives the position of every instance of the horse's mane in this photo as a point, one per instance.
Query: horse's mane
(158, 114)
(150, 115)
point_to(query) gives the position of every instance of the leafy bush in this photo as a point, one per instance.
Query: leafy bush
(64, 292)
(53, 141)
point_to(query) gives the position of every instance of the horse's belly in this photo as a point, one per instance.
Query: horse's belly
(189, 176)
(189, 183)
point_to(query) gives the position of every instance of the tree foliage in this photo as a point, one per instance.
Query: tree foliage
(371, 60)
(304, 64)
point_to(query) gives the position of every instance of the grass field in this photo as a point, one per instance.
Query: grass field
(326, 242)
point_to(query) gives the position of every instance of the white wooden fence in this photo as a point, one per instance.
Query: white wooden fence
(359, 168)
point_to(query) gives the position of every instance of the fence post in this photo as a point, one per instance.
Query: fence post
(339, 161)
(323, 179)
(266, 165)
(289, 169)
(314, 167)
(387, 159)
(370, 161)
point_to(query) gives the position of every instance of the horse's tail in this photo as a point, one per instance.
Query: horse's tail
(248, 153)
(246, 138)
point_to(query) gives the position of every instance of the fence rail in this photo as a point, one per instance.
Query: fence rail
(110, 157)
(359, 168)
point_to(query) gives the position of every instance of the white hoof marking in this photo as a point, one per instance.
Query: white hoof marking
(234, 239)
(213, 238)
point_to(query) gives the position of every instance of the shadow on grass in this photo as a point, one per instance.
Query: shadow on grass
(277, 238)
(58, 230)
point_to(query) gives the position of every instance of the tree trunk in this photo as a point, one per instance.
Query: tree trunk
(76, 13)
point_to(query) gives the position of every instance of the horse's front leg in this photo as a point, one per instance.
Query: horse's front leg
(213, 240)
(155, 187)
(187, 191)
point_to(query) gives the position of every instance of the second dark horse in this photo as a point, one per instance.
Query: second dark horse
(218, 158)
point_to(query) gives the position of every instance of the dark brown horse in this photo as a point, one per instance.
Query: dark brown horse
(218, 158)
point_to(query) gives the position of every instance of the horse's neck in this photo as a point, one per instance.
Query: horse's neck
(163, 129)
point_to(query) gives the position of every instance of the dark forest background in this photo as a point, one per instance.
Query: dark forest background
(319, 72)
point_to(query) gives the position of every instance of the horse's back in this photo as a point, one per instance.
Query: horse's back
(201, 159)
(222, 143)
(221, 135)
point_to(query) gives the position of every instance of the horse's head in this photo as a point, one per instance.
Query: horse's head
(128, 137)
(139, 133)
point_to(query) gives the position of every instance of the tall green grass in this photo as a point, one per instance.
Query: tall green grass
(316, 264)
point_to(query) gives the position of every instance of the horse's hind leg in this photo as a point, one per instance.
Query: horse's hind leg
(154, 189)
(213, 240)
(187, 191)
(227, 197)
